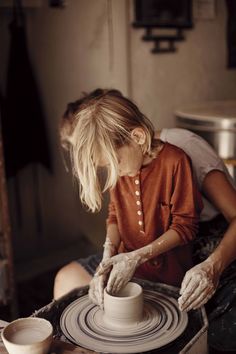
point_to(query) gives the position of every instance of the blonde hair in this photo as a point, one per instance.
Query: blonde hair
(99, 124)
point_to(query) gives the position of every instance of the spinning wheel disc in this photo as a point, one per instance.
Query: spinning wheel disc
(83, 324)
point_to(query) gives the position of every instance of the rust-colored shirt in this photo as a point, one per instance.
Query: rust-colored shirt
(162, 196)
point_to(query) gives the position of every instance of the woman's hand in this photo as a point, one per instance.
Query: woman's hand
(123, 267)
(199, 285)
(201, 281)
(97, 284)
(96, 289)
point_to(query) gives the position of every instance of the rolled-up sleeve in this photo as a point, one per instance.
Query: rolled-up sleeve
(186, 202)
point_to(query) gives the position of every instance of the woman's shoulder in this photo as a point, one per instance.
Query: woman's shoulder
(197, 148)
(181, 137)
(204, 158)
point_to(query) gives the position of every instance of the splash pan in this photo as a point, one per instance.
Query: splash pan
(83, 324)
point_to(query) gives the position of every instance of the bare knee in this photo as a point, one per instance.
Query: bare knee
(69, 277)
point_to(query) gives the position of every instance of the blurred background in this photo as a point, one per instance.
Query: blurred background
(65, 48)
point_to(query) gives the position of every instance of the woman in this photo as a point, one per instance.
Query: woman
(215, 248)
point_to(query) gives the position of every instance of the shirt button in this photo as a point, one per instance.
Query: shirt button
(136, 181)
(139, 212)
(140, 223)
(137, 193)
(138, 202)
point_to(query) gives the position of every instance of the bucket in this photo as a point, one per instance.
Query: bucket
(214, 121)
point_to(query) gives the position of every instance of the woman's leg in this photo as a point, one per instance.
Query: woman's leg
(69, 277)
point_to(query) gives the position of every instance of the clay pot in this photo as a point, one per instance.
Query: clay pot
(29, 335)
(126, 307)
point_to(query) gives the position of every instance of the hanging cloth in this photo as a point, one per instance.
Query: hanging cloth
(23, 126)
(231, 33)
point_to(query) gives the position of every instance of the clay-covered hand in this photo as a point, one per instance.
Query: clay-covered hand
(198, 286)
(123, 268)
(97, 284)
(96, 288)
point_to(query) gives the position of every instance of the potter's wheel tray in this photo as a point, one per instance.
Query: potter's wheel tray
(83, 324)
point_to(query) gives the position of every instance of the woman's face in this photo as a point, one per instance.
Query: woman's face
(130, 156)
(130, 159)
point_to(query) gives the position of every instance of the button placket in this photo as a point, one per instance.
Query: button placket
(139, 204)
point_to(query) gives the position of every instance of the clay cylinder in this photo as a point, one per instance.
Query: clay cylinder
(126, 307)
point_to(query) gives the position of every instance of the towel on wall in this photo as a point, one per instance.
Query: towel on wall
(3, 281)
(231, 33)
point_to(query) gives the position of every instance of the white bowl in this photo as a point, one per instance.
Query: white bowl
(126, 307)
(29, 335)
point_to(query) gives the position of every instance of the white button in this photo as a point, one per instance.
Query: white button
(139, 212)
(136, 181)
(137, 193)
(140, 223)
(138, 202)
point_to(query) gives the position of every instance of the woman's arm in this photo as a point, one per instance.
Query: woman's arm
(201, 281)
(124, 264)
(110, 248)
(222, 195)
(113, 236)
(170, 239)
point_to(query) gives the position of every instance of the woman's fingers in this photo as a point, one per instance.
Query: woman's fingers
(118, 285)
(96, 290)
(199, 287)
(193, 299)
(185, 282)
(202, 299)
(104, 267)
(189, 293)
(100, 291)
(114, 277)
(92, 296)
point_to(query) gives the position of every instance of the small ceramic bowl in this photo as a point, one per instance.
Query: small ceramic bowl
(29, 335)
(126, 307)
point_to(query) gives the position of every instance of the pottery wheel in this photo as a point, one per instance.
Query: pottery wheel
(83, 324)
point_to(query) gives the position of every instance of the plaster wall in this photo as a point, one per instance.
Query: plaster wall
(197, 72)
